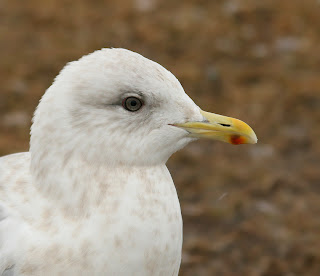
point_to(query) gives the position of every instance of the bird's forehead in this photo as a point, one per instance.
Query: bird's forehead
(142, 71)
(126, 67)
(116, 71)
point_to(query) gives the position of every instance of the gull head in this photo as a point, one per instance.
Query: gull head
(116, 107)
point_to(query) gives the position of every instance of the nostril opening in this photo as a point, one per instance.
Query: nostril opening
(225, 125)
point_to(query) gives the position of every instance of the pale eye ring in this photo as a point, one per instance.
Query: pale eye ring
(132, 104)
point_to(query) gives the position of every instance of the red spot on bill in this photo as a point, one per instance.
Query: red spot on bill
(237, 140)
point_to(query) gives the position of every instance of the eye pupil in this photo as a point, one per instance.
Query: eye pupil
(132, 104)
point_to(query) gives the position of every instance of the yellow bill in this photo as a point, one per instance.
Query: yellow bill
(222, 128)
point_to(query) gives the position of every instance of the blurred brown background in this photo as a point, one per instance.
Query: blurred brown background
(248, 210)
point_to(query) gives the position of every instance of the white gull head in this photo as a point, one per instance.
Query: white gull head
(83, 113)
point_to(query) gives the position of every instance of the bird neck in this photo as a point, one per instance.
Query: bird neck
(79, 187)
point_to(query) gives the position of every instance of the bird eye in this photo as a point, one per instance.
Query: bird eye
(132, 104)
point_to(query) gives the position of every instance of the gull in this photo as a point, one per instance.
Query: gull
(93, 195)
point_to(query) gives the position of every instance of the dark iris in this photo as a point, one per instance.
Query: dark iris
(132, 104)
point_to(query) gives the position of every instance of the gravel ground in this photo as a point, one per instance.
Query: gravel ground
(248, 210)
